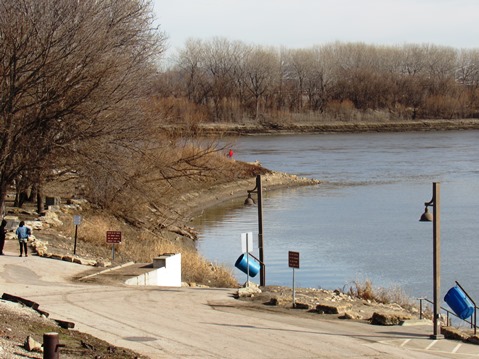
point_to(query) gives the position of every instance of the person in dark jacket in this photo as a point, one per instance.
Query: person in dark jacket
(3, 232)
(23, 232)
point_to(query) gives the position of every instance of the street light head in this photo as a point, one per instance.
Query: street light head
(426, 216)
(249, 201)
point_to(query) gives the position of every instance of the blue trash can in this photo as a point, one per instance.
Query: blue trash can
(459, 303)
(242, 264)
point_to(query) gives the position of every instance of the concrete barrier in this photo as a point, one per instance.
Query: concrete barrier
(165, 272)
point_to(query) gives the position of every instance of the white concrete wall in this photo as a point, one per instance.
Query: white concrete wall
(167, 276)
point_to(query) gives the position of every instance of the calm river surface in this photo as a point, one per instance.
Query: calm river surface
(363, 221)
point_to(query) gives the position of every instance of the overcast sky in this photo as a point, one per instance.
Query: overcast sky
(304, 23)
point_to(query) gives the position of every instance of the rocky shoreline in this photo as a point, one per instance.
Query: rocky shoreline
(193, 203)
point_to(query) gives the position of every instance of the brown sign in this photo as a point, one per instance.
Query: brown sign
(113, 237)
(293, 259)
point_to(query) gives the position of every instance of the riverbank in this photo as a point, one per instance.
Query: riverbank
(193, 203)
(310, 126)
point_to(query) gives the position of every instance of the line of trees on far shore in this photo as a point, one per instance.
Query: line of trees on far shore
(227, 81)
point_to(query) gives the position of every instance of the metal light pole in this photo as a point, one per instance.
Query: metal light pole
(435, 202)
(249, 201)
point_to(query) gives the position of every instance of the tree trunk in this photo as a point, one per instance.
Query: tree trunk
(3, 196)
(40, 206)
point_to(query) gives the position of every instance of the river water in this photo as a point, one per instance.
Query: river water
(362, 222)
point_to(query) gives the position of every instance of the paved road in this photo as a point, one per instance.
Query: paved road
(205, 323)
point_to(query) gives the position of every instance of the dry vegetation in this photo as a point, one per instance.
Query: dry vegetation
(365, 290)
(230, 81)
(151, 213)
(142, 245)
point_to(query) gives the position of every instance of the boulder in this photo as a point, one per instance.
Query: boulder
(389, 318)
(34, 225)
(68, 258)
(333, 308)
(473, 339)
(248, 291)
(454, 333)
(50, 219)
(56, 256)
(351, 316)
(303, 306)
(273, 301)
(32, 345)
(103, 263)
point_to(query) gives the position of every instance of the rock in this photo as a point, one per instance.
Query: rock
(301, 306)
(32, 345)
(248, 291)
(351, 316)
(103, 263)
(40, 247)
(34, 225)
(51, 219)
(78, 202)
(88, 262)
(389, 318)
(333, 308)
(454, 333)
(279, 301)
(68, 258)
(87, 346)
(250, 284)
(273, 301)
(473, 339)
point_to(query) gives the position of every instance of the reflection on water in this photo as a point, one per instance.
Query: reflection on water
(364, 221)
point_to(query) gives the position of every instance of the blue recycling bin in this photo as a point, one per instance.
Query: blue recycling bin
(242, 264)
(459, 303)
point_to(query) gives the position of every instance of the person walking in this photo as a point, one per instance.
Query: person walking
(22, 233)
(3, 233)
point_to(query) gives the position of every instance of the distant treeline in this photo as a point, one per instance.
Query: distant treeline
(228, 81)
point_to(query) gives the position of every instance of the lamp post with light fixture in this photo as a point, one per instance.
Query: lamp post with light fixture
(435, 202)
(248, 202)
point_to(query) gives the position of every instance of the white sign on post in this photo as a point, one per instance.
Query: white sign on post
(246, 242)
(246, 247)
(76, 220)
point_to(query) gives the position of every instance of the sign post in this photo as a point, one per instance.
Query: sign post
(76, 222)
(113, 237)
(246, 247)
(293, 262)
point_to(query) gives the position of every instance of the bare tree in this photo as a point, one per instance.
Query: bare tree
(70, 72)
(260, 73)
(219, 65)
(190, 60)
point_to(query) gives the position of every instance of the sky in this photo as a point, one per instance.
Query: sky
(305, 23)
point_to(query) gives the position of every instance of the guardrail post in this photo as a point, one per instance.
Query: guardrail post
(420, 308)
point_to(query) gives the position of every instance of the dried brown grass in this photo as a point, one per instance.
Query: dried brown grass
(142, 246)
(395, 294)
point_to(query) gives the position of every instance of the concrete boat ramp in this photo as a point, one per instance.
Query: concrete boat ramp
(165, 271)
